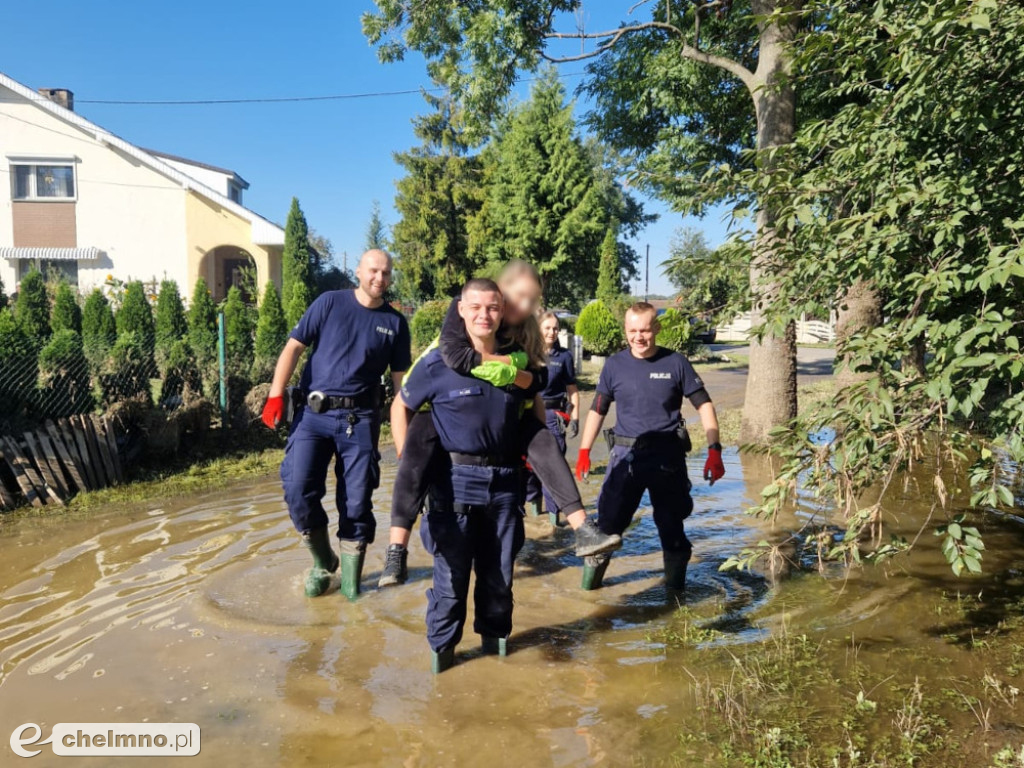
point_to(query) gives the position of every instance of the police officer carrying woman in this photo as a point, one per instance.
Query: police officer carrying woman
(561, 399)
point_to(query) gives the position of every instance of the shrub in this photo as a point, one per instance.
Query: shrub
(128, 370)
(238, 330)
(64, 375)
(299, 303)
(171, 325)
(99, 331)
(18, 366)
(676, 332)
(182, 382)
(271, 335)
(609, 275)
(426, 323)
(66, 314)
(33, 307)
(135, 316)
(601, 332)
(202, 333)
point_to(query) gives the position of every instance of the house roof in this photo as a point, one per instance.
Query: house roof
(206, 166)
(264, 231)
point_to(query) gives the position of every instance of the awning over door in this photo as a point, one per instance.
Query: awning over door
(50, 254)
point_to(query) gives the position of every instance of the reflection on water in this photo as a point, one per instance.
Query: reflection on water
(194, 613)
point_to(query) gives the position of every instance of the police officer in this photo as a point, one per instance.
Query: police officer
(478, 524)
(647, 383)
(355, 337)
(561, 399)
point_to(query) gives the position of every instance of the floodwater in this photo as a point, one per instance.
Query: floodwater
(192, 611)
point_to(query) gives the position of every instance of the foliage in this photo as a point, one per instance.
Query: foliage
(426, 323)
(135, 316)
(99, 329)
(66, 315)
(271, 334)
(442, 190)
(3, 295)
(238, 331)
(181, 379)
(376, 231)
(128, 370)
(171, 323)
(921, 196)
(32, 307)
(18, 362)
(295, 265)
(609, 275)
(602, 333)
(202, 334)
(326, 274)
(64, 374)
(710, 282)
(677, 331)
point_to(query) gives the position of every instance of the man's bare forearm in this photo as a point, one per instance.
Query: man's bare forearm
(285, 367)
(591, 430)
(400, 416)
(709, 420)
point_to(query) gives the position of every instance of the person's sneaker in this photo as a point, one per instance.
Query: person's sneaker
(590, 540)
(396, 569)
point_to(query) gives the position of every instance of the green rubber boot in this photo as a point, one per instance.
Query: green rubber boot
(325, 562)
(675, 570)
(495, 646)
(594, 567)
(441, 661)
(533, 508)
(353, 553)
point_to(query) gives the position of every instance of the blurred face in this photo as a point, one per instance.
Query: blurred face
(482, 311)
(374, 273)
(642, 333)
(549, 330)
(522, 297)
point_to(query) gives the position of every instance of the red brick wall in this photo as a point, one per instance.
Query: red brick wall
(47, 225)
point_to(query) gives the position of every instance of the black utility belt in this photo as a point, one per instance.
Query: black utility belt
(318, 402)
(651, 441)
(555, 403)
(474, 460)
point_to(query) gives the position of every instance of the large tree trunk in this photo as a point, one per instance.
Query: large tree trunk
(771, 398)
(859, 310)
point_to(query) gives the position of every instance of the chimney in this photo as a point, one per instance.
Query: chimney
(61, 96)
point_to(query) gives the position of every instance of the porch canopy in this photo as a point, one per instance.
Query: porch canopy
(50, 254)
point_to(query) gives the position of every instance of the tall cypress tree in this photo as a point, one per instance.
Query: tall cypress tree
(33, 307)
(271, 334)
(66, 314)
(295, 263)
(171, 324)
(238, 330)
(99, 330)
(136, 316)
(609, 275)
(202, 332)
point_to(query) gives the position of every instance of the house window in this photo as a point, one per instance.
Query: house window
(52, 269)
(43, 182)
(235, 193)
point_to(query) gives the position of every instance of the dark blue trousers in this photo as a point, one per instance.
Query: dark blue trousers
(314, 440)
(663, 475)
(534, 489)
(482, 532)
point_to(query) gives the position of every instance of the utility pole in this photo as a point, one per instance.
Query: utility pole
(647, 273)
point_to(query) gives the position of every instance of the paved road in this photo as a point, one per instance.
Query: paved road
(727, 385)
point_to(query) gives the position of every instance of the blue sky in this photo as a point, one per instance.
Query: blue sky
(335, 156)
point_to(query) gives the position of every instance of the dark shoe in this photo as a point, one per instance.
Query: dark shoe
(325, 562)
(396, 569)
(593, 571)
(675, 570)
(440, 661)
(494, 646)
(590, 540)
(353, 553)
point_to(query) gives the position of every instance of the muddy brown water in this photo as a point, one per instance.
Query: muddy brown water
(192, 611)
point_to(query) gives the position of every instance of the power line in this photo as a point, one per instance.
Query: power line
(286, 99)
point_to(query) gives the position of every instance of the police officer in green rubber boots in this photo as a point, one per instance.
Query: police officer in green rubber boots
(355, 337)
(647, 383)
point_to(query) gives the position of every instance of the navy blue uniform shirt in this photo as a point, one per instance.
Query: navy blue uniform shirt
(561, 373)
(471, 416)
(353, 345)
(647, 392)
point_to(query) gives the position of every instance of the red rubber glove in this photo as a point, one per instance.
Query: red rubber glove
(565, 417)
(273, 411)
(583, 463)
(713, 467)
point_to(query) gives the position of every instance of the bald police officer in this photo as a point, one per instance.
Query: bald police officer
(476, 524)
(647, 383)
(355, 338)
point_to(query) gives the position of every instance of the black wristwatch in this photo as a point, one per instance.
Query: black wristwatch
(715, 447)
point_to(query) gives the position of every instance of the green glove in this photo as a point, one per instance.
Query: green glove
(498, 374)
(519, 360)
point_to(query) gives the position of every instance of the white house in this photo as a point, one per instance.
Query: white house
(83, 201)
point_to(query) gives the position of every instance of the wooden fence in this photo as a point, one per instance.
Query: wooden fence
(51, 464)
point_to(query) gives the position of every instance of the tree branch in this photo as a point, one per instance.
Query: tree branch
(612, 36)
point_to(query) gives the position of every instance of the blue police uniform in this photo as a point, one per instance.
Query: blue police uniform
(561, 375)
(480, 527)
(648, 454)
(352, 346)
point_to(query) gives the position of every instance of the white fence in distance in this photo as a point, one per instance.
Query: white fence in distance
(807, 331)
